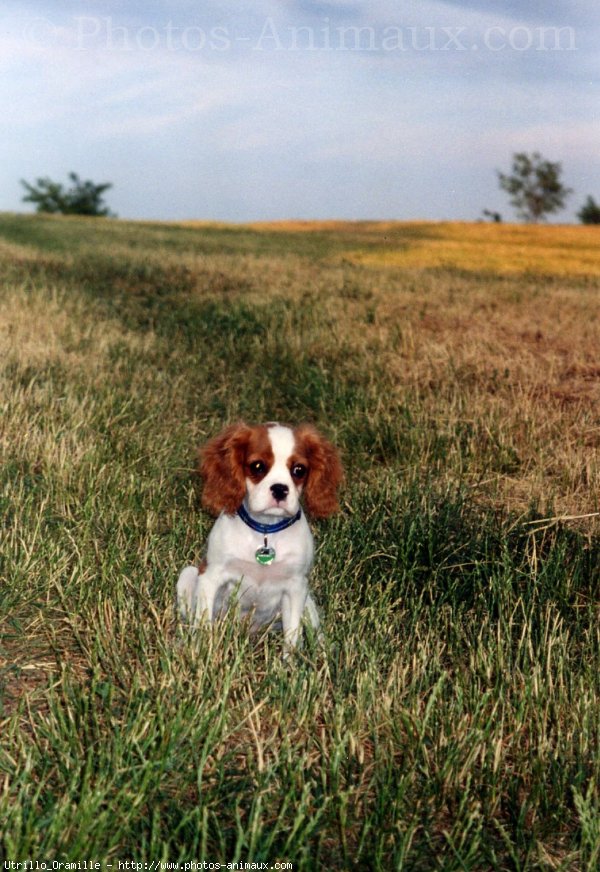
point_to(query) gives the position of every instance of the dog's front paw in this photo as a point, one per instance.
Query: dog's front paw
(187, 593)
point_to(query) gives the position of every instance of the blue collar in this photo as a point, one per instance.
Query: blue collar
(267, 529)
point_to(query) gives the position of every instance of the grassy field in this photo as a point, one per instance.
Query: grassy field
(452, 721)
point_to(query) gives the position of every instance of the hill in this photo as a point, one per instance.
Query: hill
(451, 721)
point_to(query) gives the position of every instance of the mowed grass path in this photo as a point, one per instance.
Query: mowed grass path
(452, 720)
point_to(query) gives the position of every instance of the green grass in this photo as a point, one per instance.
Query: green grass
(451, 721)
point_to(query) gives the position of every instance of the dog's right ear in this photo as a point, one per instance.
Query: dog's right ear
(325, 473)
(222, 468)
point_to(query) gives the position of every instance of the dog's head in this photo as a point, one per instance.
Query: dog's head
(270, 467)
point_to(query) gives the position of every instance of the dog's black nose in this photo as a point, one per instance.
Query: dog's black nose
(280, 491)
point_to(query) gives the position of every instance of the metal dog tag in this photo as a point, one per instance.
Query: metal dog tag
(265, 555)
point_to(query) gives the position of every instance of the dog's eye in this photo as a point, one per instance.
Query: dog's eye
(257, 467)
(299, 471)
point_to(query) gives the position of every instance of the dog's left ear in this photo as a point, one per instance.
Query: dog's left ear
(222, 468)
(325, 473)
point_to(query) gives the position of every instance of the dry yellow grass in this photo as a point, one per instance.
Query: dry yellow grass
(518, 372)
(496, 330)
(499, 351)
(500, 249)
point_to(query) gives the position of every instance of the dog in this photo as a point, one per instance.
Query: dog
(260, 549)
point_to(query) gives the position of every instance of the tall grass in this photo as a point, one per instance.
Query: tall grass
(451, 720)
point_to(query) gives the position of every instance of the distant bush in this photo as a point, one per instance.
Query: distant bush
(83, 198)
(496, 217)
(589, 212)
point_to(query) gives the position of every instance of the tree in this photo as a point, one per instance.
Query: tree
(83, 198)
(534, 186)
(589, 212)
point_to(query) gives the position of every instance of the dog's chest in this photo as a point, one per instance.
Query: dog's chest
(259, 576)
(237, 548)
(256, 590)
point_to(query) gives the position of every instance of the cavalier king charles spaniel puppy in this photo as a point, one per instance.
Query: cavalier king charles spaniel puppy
(260, 549)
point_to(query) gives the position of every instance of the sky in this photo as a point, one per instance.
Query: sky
(264, 110)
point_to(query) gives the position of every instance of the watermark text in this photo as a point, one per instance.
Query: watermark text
(87, 32)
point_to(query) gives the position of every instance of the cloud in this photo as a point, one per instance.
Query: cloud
(582, 13)
(567, 144)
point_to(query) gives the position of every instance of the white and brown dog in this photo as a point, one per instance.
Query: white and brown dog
(261, 547)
